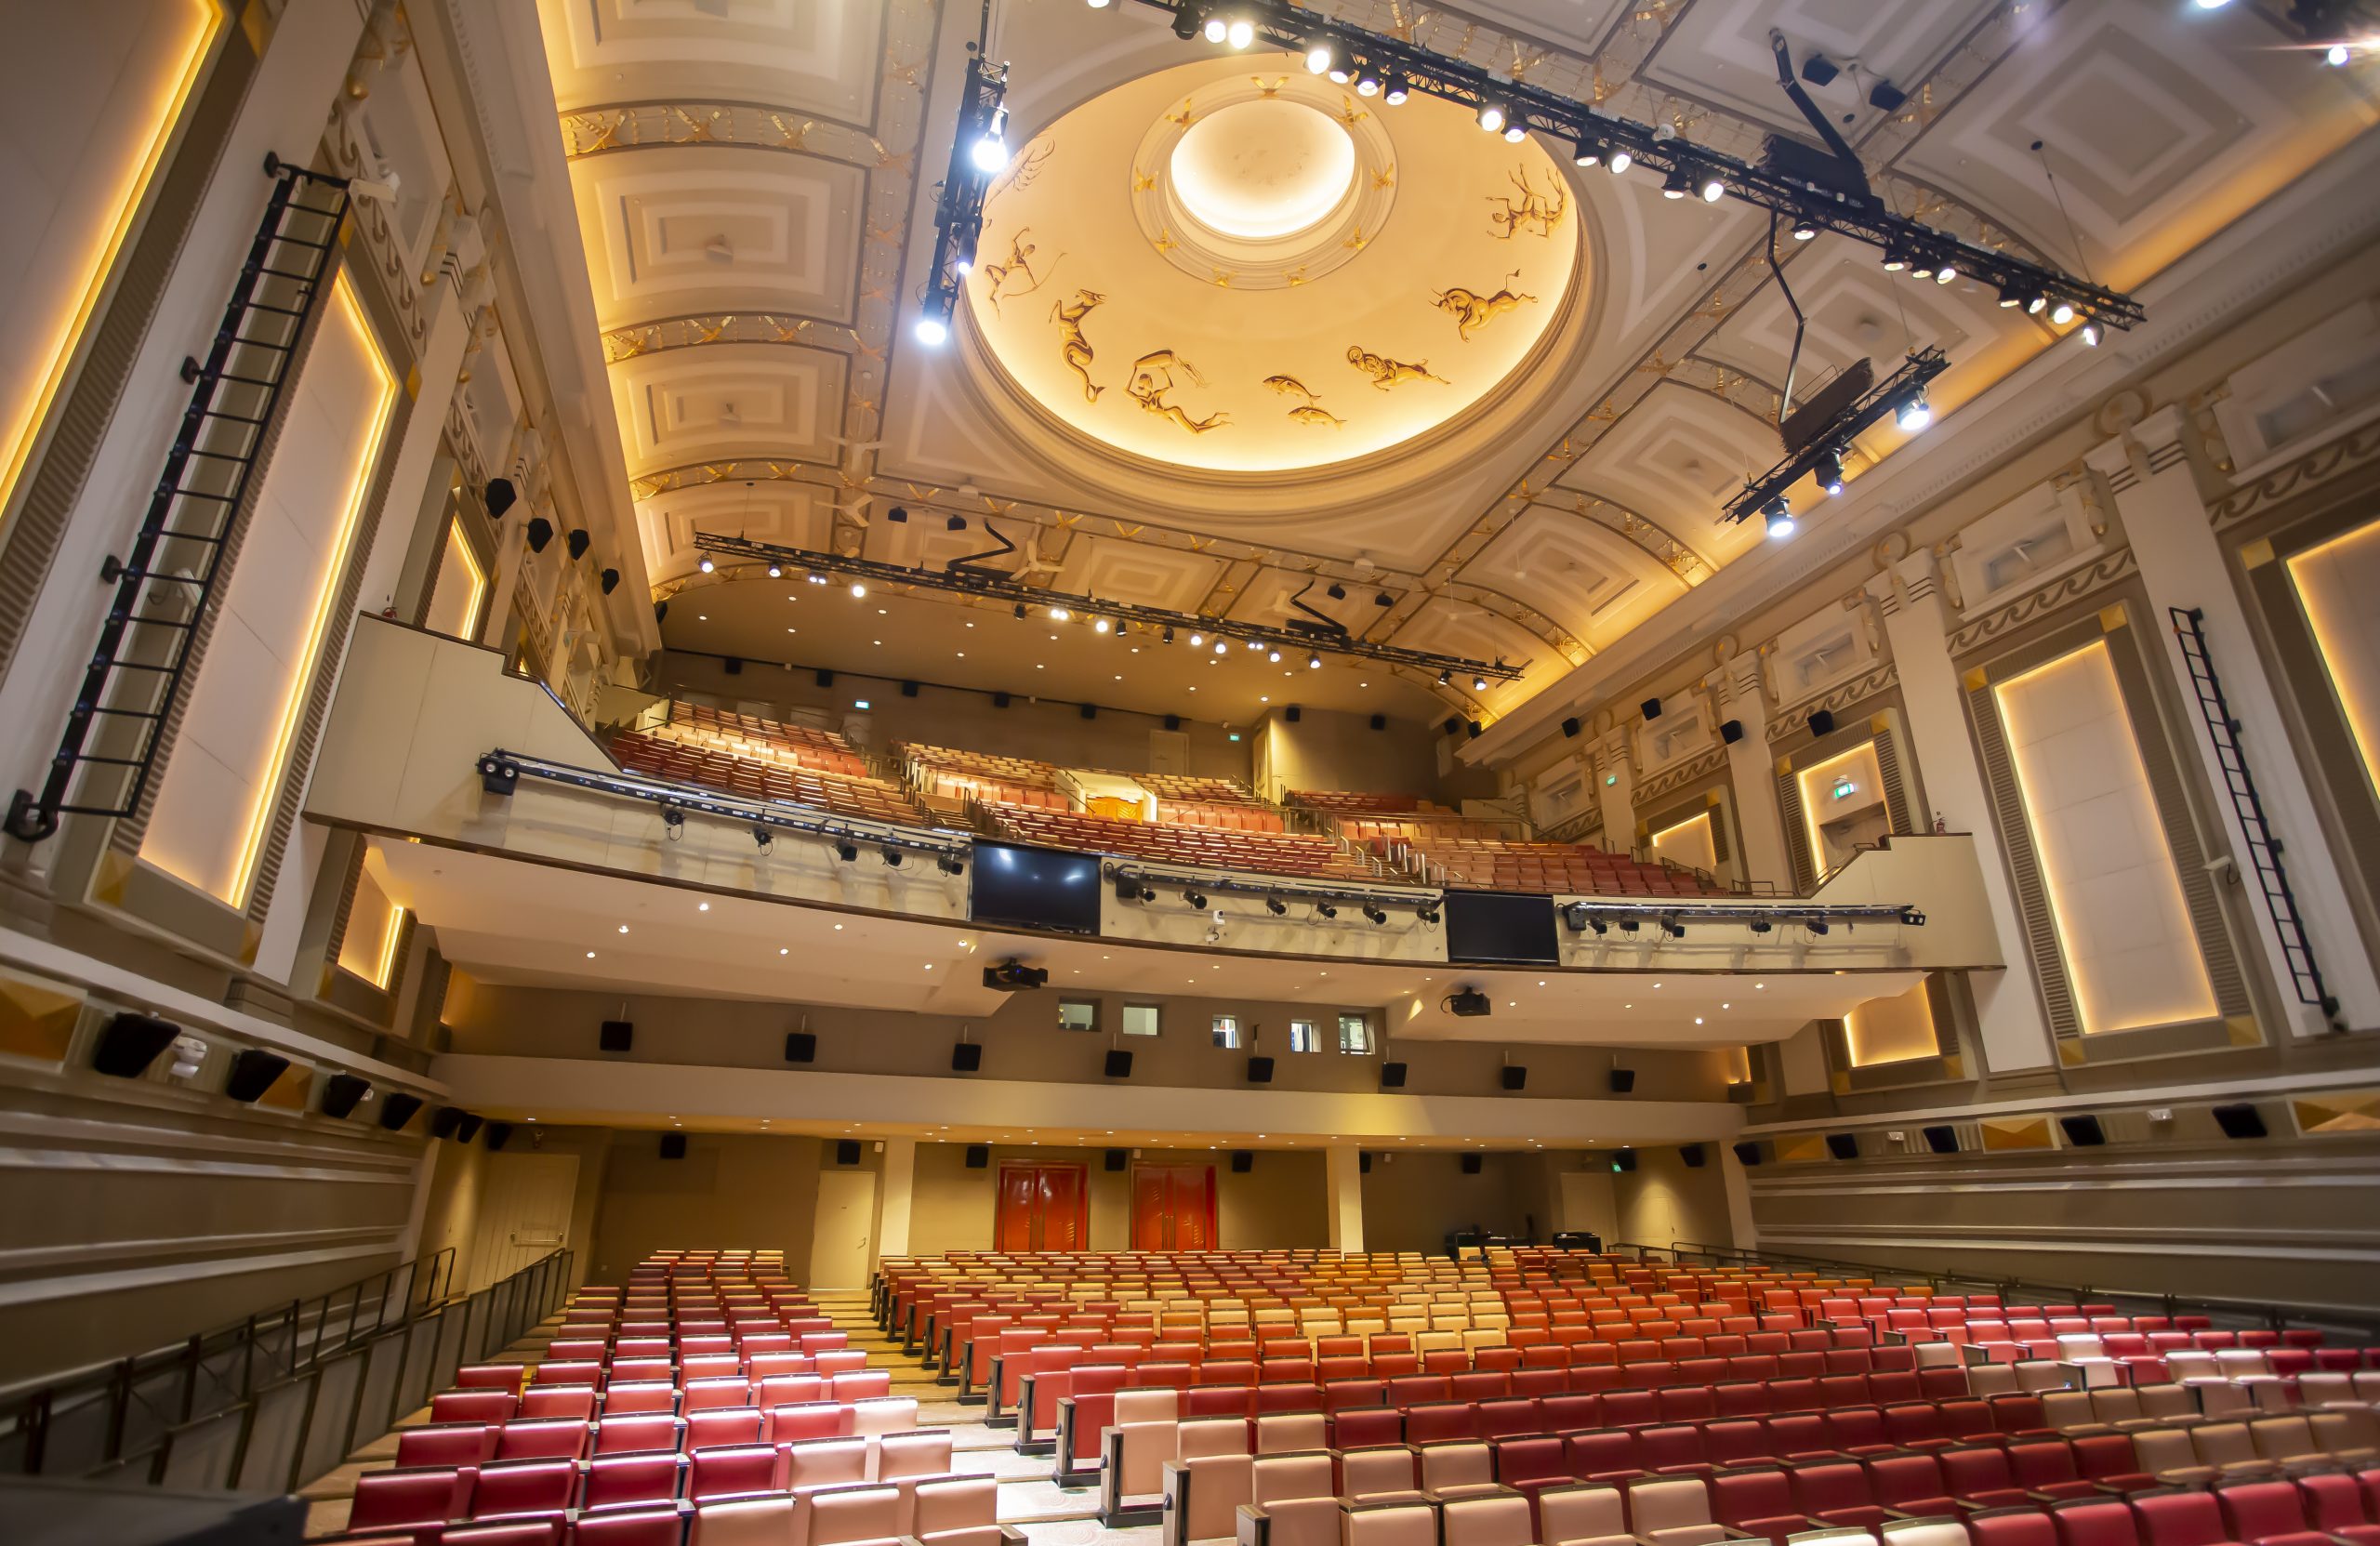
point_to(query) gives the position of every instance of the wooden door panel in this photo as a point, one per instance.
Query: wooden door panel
(1061, 1208)
(1013, 1210)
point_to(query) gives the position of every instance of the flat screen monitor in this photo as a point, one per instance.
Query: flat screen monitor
(1500, 926)
(1034, 888)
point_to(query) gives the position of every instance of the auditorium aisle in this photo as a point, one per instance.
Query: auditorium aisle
(1049, 1514)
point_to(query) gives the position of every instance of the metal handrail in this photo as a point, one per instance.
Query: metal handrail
(2275, 1315)
(268, 1345)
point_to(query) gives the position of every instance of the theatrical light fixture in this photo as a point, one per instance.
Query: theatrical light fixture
(1900, 396)
(705, 565)
(1276, 906)
(978, 151)
(1479, 684)
(990, 150)
(1446, 678)
(1396, 92)
(1197, 640)
(1372, 911)
(1914, 414)
(1313, 663)
(1196, 899)
(1241, 33)
(1491, 117)
(1059, 614)
(2337, 56)
(2090, 334)
(1220, 647)
(1779, 516)
(1100, 625)
(1828, 472)
(1806, 229)
(762, 838)
(847, 850)
(774, 572)
(1337, 593)
(1317, 57)
(1324, 910)
(2061, 314)
(1711, 188)
(1680, 182)
(1273, 655)
(956, 523)
(858, 590)
(1367, 82)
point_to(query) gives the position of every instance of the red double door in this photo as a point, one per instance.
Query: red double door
(1173, 1207)
(1041, 1208)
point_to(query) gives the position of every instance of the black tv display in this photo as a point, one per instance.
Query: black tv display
(1034, 888)
(1500, 926)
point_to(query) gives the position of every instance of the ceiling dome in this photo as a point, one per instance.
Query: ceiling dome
(1255, 270)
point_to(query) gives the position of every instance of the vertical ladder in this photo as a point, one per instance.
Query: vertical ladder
(2264, 850)
(166, 586)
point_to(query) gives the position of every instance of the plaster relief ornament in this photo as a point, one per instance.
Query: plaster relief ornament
(1473, 310)
(1073, 348)
(1019, 261)
(1309, 412)
(1153, 378)
(1386, 373)
(1542, 211)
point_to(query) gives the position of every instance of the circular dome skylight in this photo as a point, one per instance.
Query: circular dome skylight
(1263, 169)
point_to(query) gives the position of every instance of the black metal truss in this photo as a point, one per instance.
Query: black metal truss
(1902, 386)
(1579, 916)
(958, 210)
(992, 585)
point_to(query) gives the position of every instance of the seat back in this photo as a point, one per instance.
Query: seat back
(1577, 1516)
(1496, 1519)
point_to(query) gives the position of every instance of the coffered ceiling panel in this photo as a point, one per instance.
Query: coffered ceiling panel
(815, 56)
(679, 228)
(1855, 309)
(689, 406)
(1589, 578)
(1675, 461)
(798, 515)
(1718, 53)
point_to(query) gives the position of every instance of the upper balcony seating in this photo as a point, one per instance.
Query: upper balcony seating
(1361, 801)
(1234, 817)
(958, 774)
(763, 740)
(660, 757)
(1191, 788)
(1421, 829)
(1269, 852)
(1562, 869)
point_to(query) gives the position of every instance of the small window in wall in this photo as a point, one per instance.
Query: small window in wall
(1140, 1020)
(1304, 1037)
(1355, 1035)
(1078, 1014)
(1227, 1032)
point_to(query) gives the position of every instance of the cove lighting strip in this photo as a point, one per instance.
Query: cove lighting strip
(993, 586)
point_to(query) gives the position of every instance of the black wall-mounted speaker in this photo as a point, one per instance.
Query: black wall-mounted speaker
(1570, 729)
(1259, 1070)
(617, 1036)
(966, 1057)
(253, 1071)
(1652, 707)
(1515, 1076)
(1173, 721)
(1392, 1075)
(539, 531)
(823, 678)
(2083, 1132)
(1117, 1159)
(1692, 1155)
(909, 689)
(1822, 722)
(398, 1109)
(1475, 729)
(1242, 1161)
(801, 1047)
(578, 542)
(609, 580)
(1731, 731)
(445, 1120)
(1363, 1162)
(499, 497)
(1941, 1138)
(468, 1128)
(732, 665)
(1293, 713)
(1474, 1163)
(979, 1156)
(343, 1092)
(1623, 1160)
(497, 1134)
(1000, 700)
(673, 1145)
(1451, 726)
(131, 1042)
(1380, 721)
(1843, 1145)
(1622, 1080)
(1119, 1064)
(846, 1151)
(1747, 1152)
(2239, 1121)
(1090, 710)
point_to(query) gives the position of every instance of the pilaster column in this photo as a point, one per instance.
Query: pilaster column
(1917, 628)
(1615, 791)
(2182, 565)
(899, 1183)
(1343, 1175)
(1739, 691)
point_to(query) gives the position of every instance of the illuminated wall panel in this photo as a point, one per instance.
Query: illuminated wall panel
(1690, 843)
(2336, 584)
(77, 154)
(1891, 1030)
(1843, 804)
(375, 926)
(215, 805)
(454, 597)
(2115, 897)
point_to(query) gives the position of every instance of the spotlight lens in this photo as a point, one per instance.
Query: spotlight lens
(2336, 55)
(1780, 524)
(1218, 646)
(932, 333)
(1620, 162)
(1099, 626)
(2091, 334)
(1514, 133)
(1317, 59)
(988, 153)
(1197, 640)
(1491, 117)
(1098, 5)
(1242, 34)
(1059, 614)
(707, 566)
(1915, 417)
(1805, 230)
(1395, 95)
(1366, 85)
(1711, 189)
(1217, 29)
(1313, 663)
(2061, 314)
(858, 589)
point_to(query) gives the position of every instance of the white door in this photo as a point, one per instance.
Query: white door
(840, 1235)
(524, 1214)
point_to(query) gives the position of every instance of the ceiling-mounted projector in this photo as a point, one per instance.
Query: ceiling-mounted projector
(1467, 1003)
(1014, 976)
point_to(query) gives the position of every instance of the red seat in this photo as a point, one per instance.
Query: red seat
(2267, 1513)
(630, 1527)
(2181, 1519)
(450, 1444)
(396, 1500)
(539, 1488)
(2095, 1524)
(613, 1480)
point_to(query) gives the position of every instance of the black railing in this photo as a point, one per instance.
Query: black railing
(2355, 1321)
(281, 1433)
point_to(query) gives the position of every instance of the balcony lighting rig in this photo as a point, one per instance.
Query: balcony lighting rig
(1901, 395)
(1672, 919)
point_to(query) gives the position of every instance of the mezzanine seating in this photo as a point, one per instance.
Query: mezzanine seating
(660, 757)
(765, 740)
(1270, 853)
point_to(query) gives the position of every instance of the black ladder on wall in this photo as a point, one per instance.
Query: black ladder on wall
(2280, 904)
(165, 585)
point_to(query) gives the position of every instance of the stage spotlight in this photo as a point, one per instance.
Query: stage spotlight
(1372, 911)
(1672, 927)
(1059, 614)
(951, 864)
(1020, 612)
(1276, 906)
(1818, 926)
(1100, 625)
(2090, 334)
(1220, 647)
(1446, 678)
(1620, 160)
(1914, 414)
(1806, 229)
(1317, 56)
(1383, 599)
(931, 331)
(1397, 91)
(1324, 910)
(1273, 655)
(847, 850)
(775, 572)
(891, 858)
(956, 523)
(1778, 513)
(1828, 472)
(672, 818)
(1426, 914)
(1711, 188)
(858, 590)
(1241, 33)
(1679, 183)
(762, 836)
(990, 152)
(705, 564)
(1367, 82)
(1491, 117)
(1337, 593)
(1217, 29)
(1313, 663)
(1196, 638)
(1196, 899)
(2062, 313)
(1897, 255)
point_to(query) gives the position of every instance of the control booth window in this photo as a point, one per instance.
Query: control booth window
(1355, 1035)
(1078, 1014)
(1140, 1020)
(1304, 1037)
(1227, 1032)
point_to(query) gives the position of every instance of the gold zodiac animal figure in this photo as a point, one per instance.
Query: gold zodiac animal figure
(1073, 348)
(1386, 373)
(1288, 386)
(1473, 310)
(1153, 378)
(1019, 261)
(1309, 412)
(1533, 209)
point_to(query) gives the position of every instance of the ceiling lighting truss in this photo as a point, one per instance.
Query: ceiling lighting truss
(1123, 876)
(501, 770)
(1904, 389)
(1807, 185)
(958, 209)
(992, 585)
(1674, 918)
